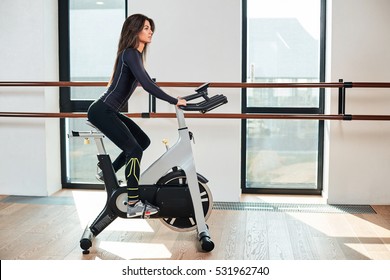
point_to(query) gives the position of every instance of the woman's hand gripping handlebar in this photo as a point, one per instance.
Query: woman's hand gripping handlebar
(208, 104)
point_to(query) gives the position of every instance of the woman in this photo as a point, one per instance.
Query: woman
(105, 114)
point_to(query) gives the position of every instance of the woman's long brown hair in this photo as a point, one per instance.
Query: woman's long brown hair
(132, 26)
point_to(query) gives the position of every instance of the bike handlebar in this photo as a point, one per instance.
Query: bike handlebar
(208, 104)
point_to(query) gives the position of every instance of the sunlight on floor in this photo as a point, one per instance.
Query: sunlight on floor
(130, 225)
(358, 247)
(90, 203)
(366, 241)
(132, 250)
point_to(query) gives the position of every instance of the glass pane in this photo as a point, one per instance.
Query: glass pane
(283, 46)
(282, 154)
(94, 29)
(94, 33)
(82, 156)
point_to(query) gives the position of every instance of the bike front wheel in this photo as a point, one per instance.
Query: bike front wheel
(187, 223)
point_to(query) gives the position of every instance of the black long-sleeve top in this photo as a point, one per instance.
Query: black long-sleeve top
(129, 72)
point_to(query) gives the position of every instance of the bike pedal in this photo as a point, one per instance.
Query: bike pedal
(146, 215)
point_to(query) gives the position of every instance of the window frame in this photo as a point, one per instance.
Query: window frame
(283, 110)
(66, 104)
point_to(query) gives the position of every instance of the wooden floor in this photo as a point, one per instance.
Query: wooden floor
(46, 229)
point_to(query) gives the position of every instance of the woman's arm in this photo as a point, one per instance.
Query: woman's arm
(134, 61)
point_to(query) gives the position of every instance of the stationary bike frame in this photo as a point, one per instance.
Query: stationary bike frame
(179, 156)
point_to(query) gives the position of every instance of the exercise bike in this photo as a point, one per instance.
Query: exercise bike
(171, 182)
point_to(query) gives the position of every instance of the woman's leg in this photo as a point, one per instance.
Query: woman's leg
(119, 162)
(110, 124)
(141, 137)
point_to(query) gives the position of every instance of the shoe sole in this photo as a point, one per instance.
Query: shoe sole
(139, 214)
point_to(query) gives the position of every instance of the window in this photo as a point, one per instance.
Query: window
(283, 43)
(89, 34)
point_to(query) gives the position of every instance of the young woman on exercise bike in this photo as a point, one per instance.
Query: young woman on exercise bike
(104, 113)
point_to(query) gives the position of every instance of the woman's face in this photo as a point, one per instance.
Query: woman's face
(145, 35)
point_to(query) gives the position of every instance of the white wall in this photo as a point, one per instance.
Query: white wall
(359, 153)
(29, 148)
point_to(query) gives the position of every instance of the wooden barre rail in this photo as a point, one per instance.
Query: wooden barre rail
(340, 85)
(209, 115)
(212, 84)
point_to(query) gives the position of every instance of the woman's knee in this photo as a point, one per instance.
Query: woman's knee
(141, 137)
(145, 142)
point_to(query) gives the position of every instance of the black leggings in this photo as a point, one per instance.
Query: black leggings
(127, 135)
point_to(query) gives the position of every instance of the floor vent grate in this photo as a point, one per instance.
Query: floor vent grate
(294, 207)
